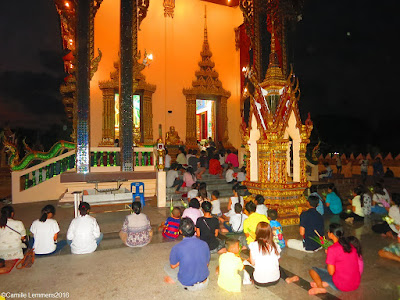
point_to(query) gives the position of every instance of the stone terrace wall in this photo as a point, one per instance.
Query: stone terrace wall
(351, 164)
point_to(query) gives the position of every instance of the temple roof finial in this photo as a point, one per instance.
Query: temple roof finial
(205, 25)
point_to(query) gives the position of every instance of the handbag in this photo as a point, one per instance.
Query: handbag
(27, 261)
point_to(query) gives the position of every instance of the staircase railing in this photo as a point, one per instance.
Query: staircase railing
(102, 159)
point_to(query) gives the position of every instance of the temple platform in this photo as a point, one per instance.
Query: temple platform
(115, 271)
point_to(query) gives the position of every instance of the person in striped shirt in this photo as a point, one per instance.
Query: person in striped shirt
(170, 229)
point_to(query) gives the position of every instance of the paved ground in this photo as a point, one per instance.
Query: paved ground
(117, 272)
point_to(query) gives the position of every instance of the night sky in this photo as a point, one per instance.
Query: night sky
(345, 57)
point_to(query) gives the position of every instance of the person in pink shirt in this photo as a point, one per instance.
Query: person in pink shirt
(232, 158)
(344, 264)
(189, 177)
(193, 211)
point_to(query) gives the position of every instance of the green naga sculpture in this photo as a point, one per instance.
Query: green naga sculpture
(17, 164)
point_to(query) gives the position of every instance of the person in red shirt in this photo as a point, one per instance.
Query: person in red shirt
(215, 167)
(232, 158)
(344, 264)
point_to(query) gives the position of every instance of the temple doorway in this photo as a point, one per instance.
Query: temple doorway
(205, 119)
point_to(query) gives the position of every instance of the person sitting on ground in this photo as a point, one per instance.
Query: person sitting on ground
(203, 195)
(173, 178)
(276, 228)
(170, 228)
(250, 224)
(229, 265)
(344, 264)
(310, 221)
(394, 214)
(215, 166)
(389, 173)
(189, 178)
(189, 155)
(12, 235)
(181, 158)
(207, 229)
(216, 204)
(333, 202)
(357, 203)
(241, 176)
(167, 162)
(84, 233)
(264, 269)
(232, 158)
(230, 174)
(232, 201)
(392, 251)
(380, 200)
(235, 224)
(193, 211)
(136, 230)
(314, 192)
(188, 260)
(261, 208)
(203, 164)
(193, 161)
(327, 173)
(194, 191)
(45, 232)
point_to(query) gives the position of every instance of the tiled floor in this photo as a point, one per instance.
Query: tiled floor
(117, 272)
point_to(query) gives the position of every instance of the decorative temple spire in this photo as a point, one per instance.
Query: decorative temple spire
(207, 79)
(274, 76)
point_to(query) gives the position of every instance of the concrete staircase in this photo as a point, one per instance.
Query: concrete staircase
(213, 183)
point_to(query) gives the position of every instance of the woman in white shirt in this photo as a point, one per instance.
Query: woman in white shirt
(232, 201)
(181, 158)
(12, 233)
(357, 204)
(394, 215)
(263, 265)
(84, 233)
(45, 232)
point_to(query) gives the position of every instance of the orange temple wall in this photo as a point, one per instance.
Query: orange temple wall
(175, 44)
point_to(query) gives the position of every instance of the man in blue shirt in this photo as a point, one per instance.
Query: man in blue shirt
(310, 221)
(188, 260)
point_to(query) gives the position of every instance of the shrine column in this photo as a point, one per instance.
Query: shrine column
(148, 118)
(191, 140)
(83, 87)
(128, 47)
(296, 160)
(108, 117)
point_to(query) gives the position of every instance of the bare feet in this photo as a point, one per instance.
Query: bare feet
(177, 192)
(292, 279)
(169, 280)
(317, 290)
(314, 285)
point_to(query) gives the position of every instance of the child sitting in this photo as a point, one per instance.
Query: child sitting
(216, 205)
(229, 175)
(193, 192)
(235, 223)
(241, 176)
(170, 229)
(276, 228)
(193, 212)
(261, 208)
(229, 264)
